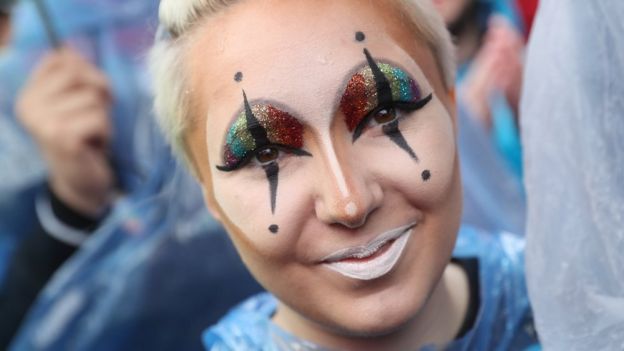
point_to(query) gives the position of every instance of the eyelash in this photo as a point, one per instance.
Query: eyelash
(255, 152)
(399, 106)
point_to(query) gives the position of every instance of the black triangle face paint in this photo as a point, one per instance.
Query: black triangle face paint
(260, 133)
(393, 132)
(385, 98)
(254, 127)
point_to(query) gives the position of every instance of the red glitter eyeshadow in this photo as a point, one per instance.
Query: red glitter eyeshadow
(282, 128)
(355, 102)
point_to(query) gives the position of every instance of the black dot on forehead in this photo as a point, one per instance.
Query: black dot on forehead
(426, 175)
(274, 228)
(238, 76)
(359, 36)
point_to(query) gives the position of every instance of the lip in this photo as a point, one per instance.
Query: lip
(372, 260)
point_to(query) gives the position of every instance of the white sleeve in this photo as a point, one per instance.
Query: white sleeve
(572, 116)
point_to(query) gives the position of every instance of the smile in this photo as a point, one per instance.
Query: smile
(372, 260)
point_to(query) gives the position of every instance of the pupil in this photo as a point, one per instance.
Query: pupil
(385, 116)
(267, 155)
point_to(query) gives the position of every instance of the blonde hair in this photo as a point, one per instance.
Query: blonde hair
(178, 18)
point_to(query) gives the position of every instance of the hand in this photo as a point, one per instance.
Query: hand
(65, 107)
(498, 66)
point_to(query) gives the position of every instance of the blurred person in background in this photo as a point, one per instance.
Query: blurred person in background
(82, 114)
(490, 49)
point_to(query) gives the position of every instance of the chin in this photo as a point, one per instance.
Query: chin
(376, 318)
(377, 327)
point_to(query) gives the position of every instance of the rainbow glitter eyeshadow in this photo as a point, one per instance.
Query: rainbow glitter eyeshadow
(280, 127)
(361, 95)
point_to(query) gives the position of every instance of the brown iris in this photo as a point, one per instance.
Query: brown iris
(385, 115)
(267, 155)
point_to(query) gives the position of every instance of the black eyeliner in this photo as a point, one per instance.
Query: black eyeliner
(243, 162)
(399, 105)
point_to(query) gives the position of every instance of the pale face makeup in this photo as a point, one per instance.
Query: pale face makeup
(354, 229)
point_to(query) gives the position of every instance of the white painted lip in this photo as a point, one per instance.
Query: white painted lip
(376, 267)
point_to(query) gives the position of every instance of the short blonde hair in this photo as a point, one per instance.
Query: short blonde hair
(178, 18)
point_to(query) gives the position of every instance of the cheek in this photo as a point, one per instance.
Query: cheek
(245, 201)
(428, 181)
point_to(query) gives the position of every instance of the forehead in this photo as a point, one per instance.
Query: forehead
(295, 52)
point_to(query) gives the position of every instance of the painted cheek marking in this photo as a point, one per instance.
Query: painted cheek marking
(426, 175)
(238, 77)
(391, 130)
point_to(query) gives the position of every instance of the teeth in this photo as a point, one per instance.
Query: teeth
(369, 252)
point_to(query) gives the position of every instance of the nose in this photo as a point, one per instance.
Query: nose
(346, 194)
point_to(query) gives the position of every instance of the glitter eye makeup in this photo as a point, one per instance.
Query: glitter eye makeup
(376, 88)
(256, 128)
(262, 130)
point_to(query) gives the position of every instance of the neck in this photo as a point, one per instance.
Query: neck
(437, 323)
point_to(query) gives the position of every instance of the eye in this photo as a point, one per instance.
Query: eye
(263, 156)
(267, 155)
(389, 113)
(385, 115)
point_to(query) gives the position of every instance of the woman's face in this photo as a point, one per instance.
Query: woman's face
(325, 144)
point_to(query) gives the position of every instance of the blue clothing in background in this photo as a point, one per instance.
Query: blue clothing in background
(152, 277)
(504, 321)
(159, 269)
(493, 197)
(114, 35)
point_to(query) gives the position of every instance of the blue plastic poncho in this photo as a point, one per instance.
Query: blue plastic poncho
(159, 270)
(573, 132)
(114, 35)
(152, 278)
